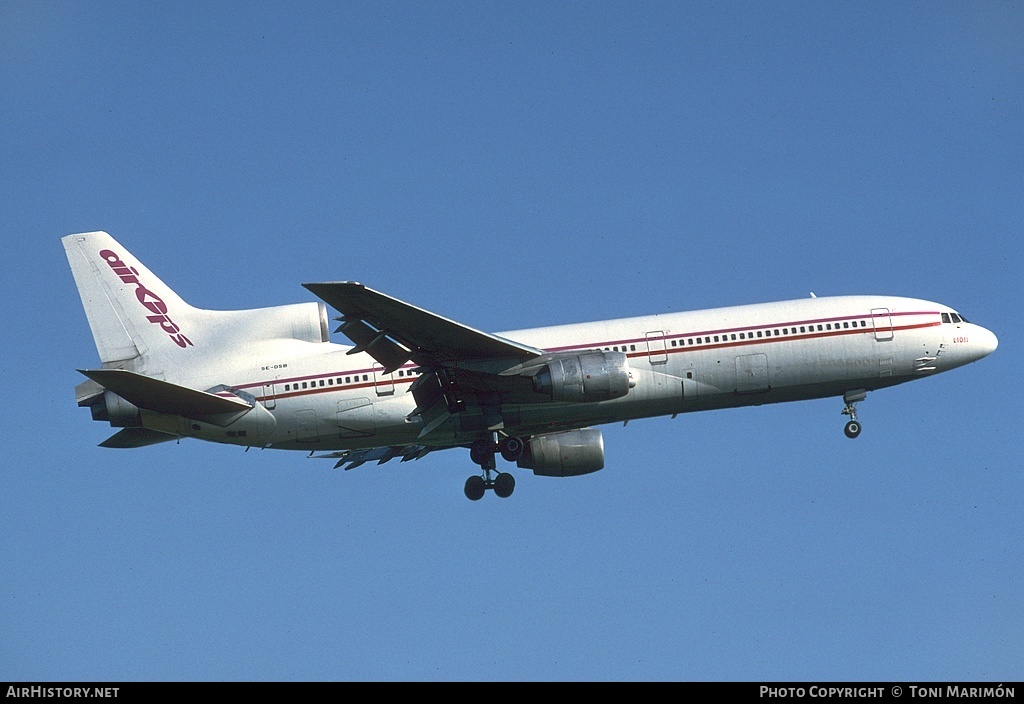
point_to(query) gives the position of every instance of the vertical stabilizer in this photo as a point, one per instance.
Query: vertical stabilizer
(131, 312)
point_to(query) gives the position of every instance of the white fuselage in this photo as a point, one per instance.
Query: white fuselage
(316, 396)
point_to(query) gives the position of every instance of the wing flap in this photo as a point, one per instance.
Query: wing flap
(351, 459)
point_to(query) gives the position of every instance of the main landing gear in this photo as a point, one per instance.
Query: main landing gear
(482, 452)
(851, 398)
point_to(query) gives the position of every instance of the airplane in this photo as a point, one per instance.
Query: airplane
(414, 382)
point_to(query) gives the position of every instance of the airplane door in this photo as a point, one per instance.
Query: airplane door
(689, 385)
(751, 373)
(305, 426)
(384, 383)
(355, 418)
(269, 397)
(883, 324)
(656, 347)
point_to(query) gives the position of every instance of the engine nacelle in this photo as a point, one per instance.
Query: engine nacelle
(116, 411)
(587, 377)
(567, 454)
(224, 331)
(309, 321)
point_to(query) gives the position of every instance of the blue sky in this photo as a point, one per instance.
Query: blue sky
(512, 165)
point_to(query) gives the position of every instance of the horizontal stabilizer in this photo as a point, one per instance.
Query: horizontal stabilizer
(163, 396)
(136, 437)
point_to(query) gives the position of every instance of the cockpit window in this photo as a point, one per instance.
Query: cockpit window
(945, 317)
(956, 318)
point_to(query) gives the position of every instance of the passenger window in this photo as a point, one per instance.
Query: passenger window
(733, 336)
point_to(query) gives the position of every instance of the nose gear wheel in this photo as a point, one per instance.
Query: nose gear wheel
(853, 427)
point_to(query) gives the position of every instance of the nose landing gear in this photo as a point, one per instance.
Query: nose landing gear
(853, 427)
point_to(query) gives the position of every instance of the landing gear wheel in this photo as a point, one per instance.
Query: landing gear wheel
(511, 449)
(851, 398)
(481, 453)
(504, 485)
(475, 488)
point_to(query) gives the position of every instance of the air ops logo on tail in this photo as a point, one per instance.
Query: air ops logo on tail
(147, 298)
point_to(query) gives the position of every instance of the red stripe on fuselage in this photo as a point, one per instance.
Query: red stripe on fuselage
(637, 354)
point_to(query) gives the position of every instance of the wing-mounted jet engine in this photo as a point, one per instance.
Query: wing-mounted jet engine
(583, 378)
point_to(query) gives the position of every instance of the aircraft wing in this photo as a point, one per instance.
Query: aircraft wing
(461, 369)
(376, 321)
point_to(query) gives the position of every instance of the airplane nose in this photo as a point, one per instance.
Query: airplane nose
(986, 342)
